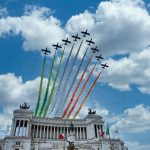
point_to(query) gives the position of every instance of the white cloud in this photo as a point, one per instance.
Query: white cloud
(99, 111)
(5, 119)
(127, 71)
(15, 92)
(118, 26)
(133, 120)
(97, 107)
(37, 27)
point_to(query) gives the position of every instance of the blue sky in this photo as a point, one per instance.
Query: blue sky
(120, 28)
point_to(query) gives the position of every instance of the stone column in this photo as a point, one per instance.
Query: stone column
(18, 128)
(80, 133)
(14, 128)
(50, 132)
(75, 130)
(23, 122)
(33, 132)
(44, 133)
(67, 131)
(40, 131)
(83, 133)
(28, 128)
(47, 131)
(37, 131)
(54, 132)
(101, 128)
(77, 133)
(97, 129)
(61, 128)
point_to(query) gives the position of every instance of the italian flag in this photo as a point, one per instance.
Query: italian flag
(103, 134)
(99, 136)
(99, 133)
(61, 135)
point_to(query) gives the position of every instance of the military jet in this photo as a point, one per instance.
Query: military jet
(46, 51)
(76, 37)
(66, 41)
(90, 42)
(85, 33)
(95, 49)
(99, 57)
(56, 46)
(104, 65)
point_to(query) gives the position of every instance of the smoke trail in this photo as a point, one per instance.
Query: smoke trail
(74, 93)
(40, 89)
(63, 74)
(53, 87)
(85, 98)
(48, 85)
(83, 87)
(70, 71)
(64, 100)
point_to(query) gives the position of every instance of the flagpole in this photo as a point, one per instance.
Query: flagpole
(109, 141)
(108, 133)
(100, 138)
(101, 144)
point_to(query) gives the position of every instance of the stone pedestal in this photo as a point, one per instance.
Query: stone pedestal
(71, 141)
(71, 137)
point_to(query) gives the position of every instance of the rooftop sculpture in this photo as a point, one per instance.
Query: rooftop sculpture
(24, 106)
(91, 111)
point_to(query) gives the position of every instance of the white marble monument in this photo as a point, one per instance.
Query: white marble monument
(33, 133)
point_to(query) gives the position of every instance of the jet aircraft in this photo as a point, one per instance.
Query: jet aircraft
(76, 37)
(95, 49)
(104, 65)
(66, 41)
(56, 46)
(85, 33)
(99, 57)
(90, 42)
(46, 51)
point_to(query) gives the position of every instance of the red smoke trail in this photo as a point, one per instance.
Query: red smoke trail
(74, 93)
(85, 98)
(64, 100)
(77, 99)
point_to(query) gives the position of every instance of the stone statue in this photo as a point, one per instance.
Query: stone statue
(71, 128)
(24, 106)
(71, 145)
(91, 112)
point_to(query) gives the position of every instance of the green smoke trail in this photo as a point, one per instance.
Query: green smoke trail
(40, 89)
(48, 85)
(52, 90)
